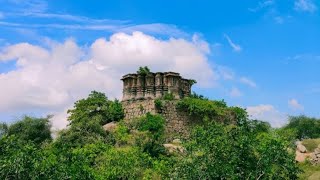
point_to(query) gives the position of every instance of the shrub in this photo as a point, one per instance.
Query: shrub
(168, 96)
(214, 110)
(158, 104)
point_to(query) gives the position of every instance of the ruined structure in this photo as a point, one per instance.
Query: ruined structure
(140, 92)
(155, 85)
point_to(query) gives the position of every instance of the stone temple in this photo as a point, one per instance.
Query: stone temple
(155, 85)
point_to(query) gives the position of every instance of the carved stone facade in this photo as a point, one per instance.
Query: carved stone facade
(155, 85)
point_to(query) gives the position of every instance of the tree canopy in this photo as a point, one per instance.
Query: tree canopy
(244, 149)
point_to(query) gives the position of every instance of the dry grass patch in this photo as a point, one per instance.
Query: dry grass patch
(311, 144)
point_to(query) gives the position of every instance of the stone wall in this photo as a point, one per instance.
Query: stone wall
(178, 123)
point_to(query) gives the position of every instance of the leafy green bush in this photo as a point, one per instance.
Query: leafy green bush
(143, 70)
(154, 125)
(197, 96)
(158, 104)
(168, 96)
(214, 110)
(121, 163)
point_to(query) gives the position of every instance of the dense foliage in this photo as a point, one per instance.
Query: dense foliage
(200, 107)
(29, 128)
(303, 127)
(96, 107)
(234, 152)
(134, 150)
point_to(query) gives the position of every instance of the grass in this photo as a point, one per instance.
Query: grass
(311, 144)
(310, 171)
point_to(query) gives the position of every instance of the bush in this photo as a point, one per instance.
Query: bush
(121, 163)
(168, 96)
(213, 110)
(154, 126)
(158, 104)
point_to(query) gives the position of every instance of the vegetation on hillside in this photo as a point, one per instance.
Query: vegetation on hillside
(244, 149)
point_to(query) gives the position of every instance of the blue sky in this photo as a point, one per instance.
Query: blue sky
(260, 54)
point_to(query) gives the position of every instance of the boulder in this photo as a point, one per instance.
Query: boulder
(172, 148)
(300, 157)
(301, 148)
(110, 127)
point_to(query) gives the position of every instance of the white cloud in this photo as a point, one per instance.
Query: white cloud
(51, 79)
(295, 105)
(248, 82)
(67, 17)
(235, 92)
(112, 26)
(268, 113)
(235, 47)
(262, 5)
(305, 5)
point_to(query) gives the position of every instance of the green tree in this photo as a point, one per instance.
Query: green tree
(96, 106)
(18, 158)
(259, 126)
(305, 127)
(32, 129)
(216, 151)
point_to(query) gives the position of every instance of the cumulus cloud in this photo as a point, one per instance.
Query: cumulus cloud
(268, 113)
(305, 5)
(52, 78)
(295, 105)
(235, 47)
(248, 82)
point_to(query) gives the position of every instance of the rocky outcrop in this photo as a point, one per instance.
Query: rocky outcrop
(174, 147)
(315, 156)
(301, 152)
(110, 127)
(300, 147)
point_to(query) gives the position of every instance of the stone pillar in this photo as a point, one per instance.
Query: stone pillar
(158, 85)
(126, 90)
(133, 89)
(149, 86)
(175, 86)
(140, 87)
(165, 84)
